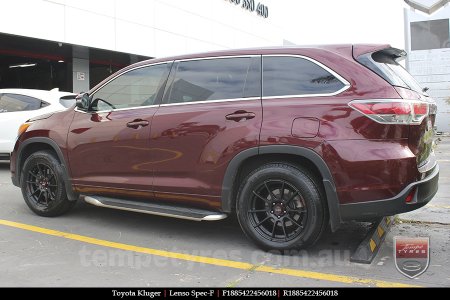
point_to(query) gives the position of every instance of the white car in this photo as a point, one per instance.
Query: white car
(19, 105)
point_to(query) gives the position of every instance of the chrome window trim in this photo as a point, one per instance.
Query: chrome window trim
(218, 57)
(117, 109)
(346, 84)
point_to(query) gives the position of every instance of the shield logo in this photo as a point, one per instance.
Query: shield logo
(412, 255)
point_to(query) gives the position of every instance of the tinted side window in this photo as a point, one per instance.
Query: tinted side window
(253, 80)
(288, 76)
(215, 79)
(14, 102)
(135, 88)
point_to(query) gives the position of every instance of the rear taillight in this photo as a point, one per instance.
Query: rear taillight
(387, 111)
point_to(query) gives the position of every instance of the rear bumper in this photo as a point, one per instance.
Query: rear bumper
(425, 191)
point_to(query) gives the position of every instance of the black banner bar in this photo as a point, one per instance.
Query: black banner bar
(215, 293)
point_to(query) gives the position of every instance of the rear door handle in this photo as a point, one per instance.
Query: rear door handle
(137, 123)
(240, 115)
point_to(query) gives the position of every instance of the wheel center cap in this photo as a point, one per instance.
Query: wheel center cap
(43, 185)
(278, 209)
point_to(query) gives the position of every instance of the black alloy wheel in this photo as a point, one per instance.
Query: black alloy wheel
(43, 185)
(282, 207)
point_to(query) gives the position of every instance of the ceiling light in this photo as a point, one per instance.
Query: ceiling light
(22, 66)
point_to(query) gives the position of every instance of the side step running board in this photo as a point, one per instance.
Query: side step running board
(156, 209)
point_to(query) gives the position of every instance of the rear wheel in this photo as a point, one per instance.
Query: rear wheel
(42, 184)
(281, 207)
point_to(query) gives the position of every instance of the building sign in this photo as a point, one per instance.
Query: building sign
(81, 76)
(252, 6)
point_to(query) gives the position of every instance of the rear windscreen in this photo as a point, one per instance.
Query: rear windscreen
(388, 68)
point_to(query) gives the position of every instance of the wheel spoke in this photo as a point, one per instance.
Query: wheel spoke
(32, 182)
(284, 230)
(295, 222)
(274, 227)
(39, 197)
(298, 210)
(253, 211)
(50, 196)
(260, 223)
(31, 173)
(53, 185)
(282, 191)
(39, 170)
(260, 197)
(292, 198)
(272, 196)
(51, 177)
(46, 196)
(32, 194)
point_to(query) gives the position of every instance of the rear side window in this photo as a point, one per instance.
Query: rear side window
(216, 79)
(296, 76)
(387, 67)
(15, 102)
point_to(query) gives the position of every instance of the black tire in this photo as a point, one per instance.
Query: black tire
(281, 207)
(42, 184)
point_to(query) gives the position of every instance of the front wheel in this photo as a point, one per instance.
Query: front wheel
(42, 184)
(281, 207)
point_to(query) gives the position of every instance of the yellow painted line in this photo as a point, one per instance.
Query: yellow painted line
(373, 245)
(331, 277)
(380, 231)
(206, 260)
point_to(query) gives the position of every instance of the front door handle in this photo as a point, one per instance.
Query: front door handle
(137, 123)
(240, 115)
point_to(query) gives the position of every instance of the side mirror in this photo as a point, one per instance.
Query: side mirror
(83, 101)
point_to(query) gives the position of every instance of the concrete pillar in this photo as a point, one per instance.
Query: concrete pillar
(80, 67)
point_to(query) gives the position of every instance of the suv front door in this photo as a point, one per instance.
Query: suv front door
(211, 111)
(108, 145)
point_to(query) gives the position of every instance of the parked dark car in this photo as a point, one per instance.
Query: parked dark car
(291, 140)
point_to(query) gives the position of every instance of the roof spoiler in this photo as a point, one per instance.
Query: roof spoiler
(388, 50)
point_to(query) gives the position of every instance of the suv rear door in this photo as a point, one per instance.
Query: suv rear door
(109, 144)
(211, 111)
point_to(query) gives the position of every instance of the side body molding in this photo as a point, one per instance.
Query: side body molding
(328, 181)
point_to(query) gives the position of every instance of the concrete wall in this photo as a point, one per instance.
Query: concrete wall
(146, 27)
(431, 67)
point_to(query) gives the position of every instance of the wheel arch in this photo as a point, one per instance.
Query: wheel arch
(35, 144)
(245, 158)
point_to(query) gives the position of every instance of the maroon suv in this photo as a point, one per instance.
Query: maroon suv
(288, 139)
